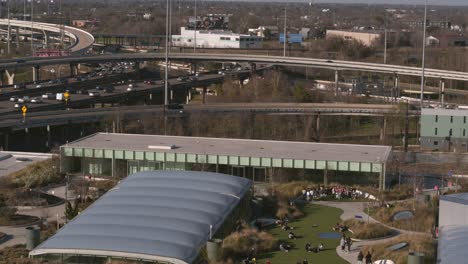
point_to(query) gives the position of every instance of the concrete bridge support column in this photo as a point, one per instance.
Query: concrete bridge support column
(5, 141)
(10, 77)
(204, 94)
(396, 87)
(137, 69)
(46, 38)
(36, 73)
(73, 69)
(49, 137)
(317, 127)
(442, 92)
(172, 95)
(17, 37)
(337, 75)
(383, 129)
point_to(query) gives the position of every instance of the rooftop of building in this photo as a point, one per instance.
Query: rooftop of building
(461, 198)
(236, 147)
(162, 216)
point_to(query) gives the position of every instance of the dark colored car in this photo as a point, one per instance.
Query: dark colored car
(175, 106)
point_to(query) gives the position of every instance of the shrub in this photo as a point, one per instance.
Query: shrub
(419, 243)
(240, 244)
(38, 174)
(363, 230)
(291, 189)
(423, 220)
(290, 211)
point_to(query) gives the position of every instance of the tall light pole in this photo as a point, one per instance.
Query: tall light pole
(385, 47)
(9, 28)
(423, 54)
(167, 54)
(32, 27)
(195, 29)
(284, 36)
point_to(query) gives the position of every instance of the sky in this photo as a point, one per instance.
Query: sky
(387, 2)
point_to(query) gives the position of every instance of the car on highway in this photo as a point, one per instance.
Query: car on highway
(39, 86)
(20, 61)
(175, 106)
(36, 100)
(94, 94)
(193, 78)
(150, 82)
(14, 98)
(81, 91)
(132, 85)
(99, 88)
(48, 96)
(16, 105)
(129, 89)
(19, 86)
(24, 99)
(182, 78)
(329, 61)
(108, 89)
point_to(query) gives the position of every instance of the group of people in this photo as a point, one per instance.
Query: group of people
(340, 228)
(338, 192)
(361, 258)
(309, 248)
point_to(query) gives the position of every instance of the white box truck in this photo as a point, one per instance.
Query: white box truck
(59, 97)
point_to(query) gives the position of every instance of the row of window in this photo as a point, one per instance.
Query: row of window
(451, 119)
(450, 132)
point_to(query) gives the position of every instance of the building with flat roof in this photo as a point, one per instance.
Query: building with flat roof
(153, 217)
(121, 154)
(223, 39)
(367, 38)
(444, 129)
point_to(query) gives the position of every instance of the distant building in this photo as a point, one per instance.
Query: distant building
(209, 22)
(367, 38)
(84, 23)
(432, 41)
(444, 129)
(305, 32)
(291, 38)
(266, 32)
(420, 23)
(215, 39)
(147, 16)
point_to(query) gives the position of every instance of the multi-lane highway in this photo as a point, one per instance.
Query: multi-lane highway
(273, 60)
(82, 40)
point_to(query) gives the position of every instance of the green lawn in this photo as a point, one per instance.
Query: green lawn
(325, 217)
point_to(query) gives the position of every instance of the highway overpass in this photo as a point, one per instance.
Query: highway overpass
(256, 59)
(79, 116)
(82, 40)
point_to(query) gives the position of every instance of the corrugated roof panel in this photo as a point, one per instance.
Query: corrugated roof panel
(152, 215)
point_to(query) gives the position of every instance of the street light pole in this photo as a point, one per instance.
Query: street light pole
(167, 54)
(385, 47)
(284, 36)
(32, 28)
(195, 30)
(9, 28)
(423, 54)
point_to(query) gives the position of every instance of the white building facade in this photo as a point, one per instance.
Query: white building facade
(215, 39)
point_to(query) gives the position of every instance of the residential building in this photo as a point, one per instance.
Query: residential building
(429, 23)
(215, 39)
(444, 129)
(84, 23)
(266, 32)
(367, 38)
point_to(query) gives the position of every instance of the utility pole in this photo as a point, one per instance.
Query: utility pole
(9, 28)
(406, 127)
(285, 38)
(32, 27)
(195, 30)
(385, 47)
(170, 25)
(423, 55)
(167, 55)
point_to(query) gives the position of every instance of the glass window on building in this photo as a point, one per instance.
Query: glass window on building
(435, 131)
(464, 120)
(451, 119)
(436, 143)
(450, 132)
(437, 118)
(464, 132)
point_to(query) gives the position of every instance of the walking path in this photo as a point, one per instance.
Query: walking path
(352, 209)
(17, 235)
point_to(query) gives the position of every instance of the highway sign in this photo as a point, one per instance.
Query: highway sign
(24, 109)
